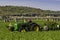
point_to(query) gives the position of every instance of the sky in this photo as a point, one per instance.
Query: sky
(42, 4)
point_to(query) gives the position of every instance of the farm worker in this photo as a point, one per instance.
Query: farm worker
(25, 21)
(58, 26)
(10, 25)
(15, 26)
(45, 27)
(29, 20)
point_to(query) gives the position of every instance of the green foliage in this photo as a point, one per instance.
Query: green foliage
(51, 24)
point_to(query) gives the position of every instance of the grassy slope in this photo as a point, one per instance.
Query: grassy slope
(5, 34)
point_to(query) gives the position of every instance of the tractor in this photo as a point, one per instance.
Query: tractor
(25, 26)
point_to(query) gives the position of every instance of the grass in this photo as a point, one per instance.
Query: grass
(5, 34)
(50, 35)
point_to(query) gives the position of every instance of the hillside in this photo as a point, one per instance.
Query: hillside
(4, 10)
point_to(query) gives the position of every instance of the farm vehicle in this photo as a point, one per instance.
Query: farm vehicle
(25, 26)
(32, 26)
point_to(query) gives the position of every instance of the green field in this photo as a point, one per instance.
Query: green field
(5, 34)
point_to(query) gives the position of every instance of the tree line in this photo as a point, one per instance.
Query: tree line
(8, 10)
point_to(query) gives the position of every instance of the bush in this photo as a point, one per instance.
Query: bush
(51, 25)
